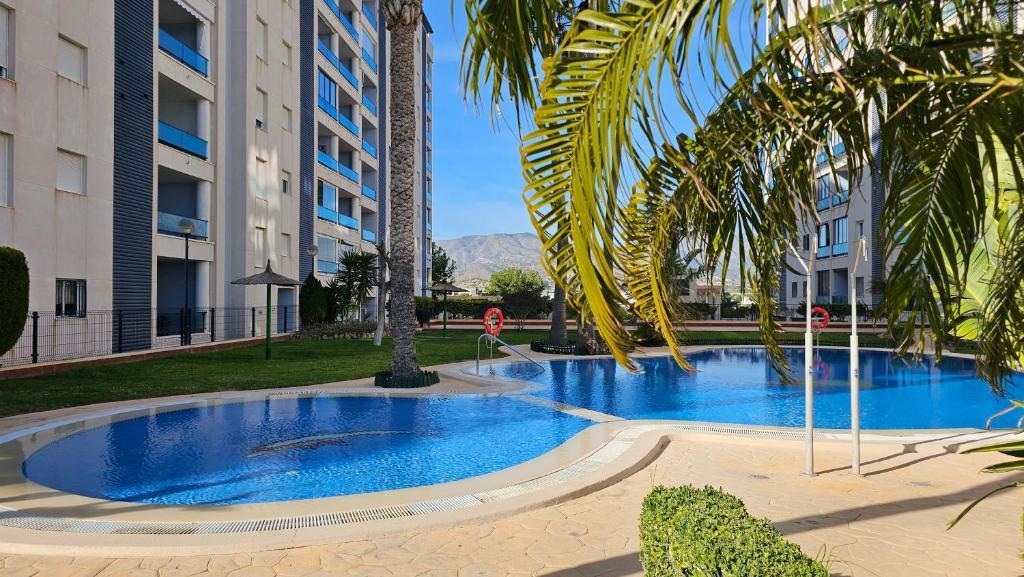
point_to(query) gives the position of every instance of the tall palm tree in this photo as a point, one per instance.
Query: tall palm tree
(403, 21)
(941, 82)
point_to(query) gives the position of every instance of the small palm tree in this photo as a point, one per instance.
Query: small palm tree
(358, 272)
(404, 18)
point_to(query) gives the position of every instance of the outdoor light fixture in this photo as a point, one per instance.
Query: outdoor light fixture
(313, 251)
(186, 227)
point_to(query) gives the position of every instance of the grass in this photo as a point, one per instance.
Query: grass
(295, 364)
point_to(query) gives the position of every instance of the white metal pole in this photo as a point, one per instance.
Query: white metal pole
(855, 358)
(808, 266)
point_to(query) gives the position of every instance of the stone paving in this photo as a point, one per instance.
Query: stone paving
(891, 522)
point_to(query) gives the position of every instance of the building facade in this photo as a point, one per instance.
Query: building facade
(152, 151)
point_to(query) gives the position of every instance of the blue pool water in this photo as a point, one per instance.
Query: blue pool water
(737, 386)
(286, 449)
(304, 448)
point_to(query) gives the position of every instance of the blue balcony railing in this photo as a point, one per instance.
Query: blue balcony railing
(177, 138)
(430, 197)
(824, 252)
(182, 53)
(430, 167)
(348, 173)
(430, 136)
(348, 221)
(324, 213)
(337, 115)
(348, 124)
(370, 16)
(370, 149)
(326, 267)
(173, 224)
(368, 58)
(839, 149)
(430, 106)
(327, 160)
(331, 57)
(369, 193)
(369, 105)
(345, 21)
(824, 203)
(840, 248)
(842, 198)
(369, 235)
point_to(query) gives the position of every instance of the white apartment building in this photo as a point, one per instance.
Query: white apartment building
(152, 151)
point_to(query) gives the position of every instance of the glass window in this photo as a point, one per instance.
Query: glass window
(327, 89)
(262, 35)
(286, 121)
(286, 244)
(822, 281)
(71, 62)
(70, 298)
(327, 196)
(327, 249)
(793, 290)
(6, 47)
(70, 172)
(824, 190)
(286, 181)
(860, 286)
(261, 109)
(260, 241)
(823, 235)
(5, 169)
(860, 229)
(839, 231)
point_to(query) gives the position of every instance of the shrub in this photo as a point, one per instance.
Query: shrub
(687, 531)
(13, 296)
(424, 310)
(699, 311)
(312, 301)
(343, 330)
(647, 336)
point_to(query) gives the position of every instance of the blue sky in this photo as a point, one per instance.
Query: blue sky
(478, 182)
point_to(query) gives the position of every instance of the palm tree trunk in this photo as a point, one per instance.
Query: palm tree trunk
(404, 18)
(557, 335)
(382, 294)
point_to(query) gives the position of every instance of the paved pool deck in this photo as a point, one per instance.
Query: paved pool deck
(889, 522)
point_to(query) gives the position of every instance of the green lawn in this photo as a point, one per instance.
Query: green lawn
(295, 363)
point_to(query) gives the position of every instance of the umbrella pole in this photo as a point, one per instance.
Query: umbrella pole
(267, 342)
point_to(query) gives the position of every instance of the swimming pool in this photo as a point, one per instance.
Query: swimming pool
(737, 386)
(298, 448)
(290, 448)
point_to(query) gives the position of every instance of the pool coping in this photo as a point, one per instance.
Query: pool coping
(600, 455)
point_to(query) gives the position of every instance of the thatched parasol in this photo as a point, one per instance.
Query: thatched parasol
(445, 288)
(269, 278)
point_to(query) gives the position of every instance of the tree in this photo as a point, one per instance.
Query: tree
(404, 18)
(919, 97)
(442, 266)
(358, 273)
(521, 291)
(312, 301)
(383, 292)
(13, 296)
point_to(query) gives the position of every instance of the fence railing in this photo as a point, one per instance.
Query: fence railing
(49, 337)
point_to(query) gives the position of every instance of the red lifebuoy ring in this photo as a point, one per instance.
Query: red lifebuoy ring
(818, 325)
(493, 329)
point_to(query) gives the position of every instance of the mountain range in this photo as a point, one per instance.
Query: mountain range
(478, 256)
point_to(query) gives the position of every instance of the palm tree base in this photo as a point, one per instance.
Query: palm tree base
(387, 380)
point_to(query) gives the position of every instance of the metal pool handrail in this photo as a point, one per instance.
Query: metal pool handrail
(510, 347)
(1007, 410)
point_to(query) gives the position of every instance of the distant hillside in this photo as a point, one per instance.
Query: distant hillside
(478, 256)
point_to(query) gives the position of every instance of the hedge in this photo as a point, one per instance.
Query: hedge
(686, 531)
(341, 330)
(13, 296)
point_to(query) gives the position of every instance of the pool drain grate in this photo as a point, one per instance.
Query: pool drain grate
(610, 451)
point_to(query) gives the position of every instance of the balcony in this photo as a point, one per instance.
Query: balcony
(172, 224)
(369, 235)
(430, 167)
(370, 17)
(430, 136)
(344, 19)
(326, 267)
(369, 105)
(335, 217)
(430, 197)
(368, 58)
(370, 149)
(337, 115)
(369, 193)
(833, 200)
(177, 138)
(823, 252)
(325, 50)
(333, 164)
(840, 249)
(182, 53)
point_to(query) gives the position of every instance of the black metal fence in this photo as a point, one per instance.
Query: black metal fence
(51, 337)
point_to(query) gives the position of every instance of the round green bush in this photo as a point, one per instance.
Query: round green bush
(13, 296)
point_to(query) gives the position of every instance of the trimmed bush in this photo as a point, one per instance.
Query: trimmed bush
(686, 531)
(343, 330)
(545, 347)
(424, 310)
(13, 296)
(386, 380)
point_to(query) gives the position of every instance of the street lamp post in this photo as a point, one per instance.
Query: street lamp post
(313, 251)
(187, 227)
(862, 251)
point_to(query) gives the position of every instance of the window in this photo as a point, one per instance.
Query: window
(327, 89)
(262, 35)
(260, 246)
(261, 178)
(840, 231)
(807, 242)
(286, 244)
(859, 283)
(286, 120)
(823, 277)
(805, 289)
(6, 46)
(792, 290)
(860, 229)
(286, 54)
(286, 181)
(261, 109)
(71, 61)
(70, 172)
(5, 169)
(70, 298)
(822, 235)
